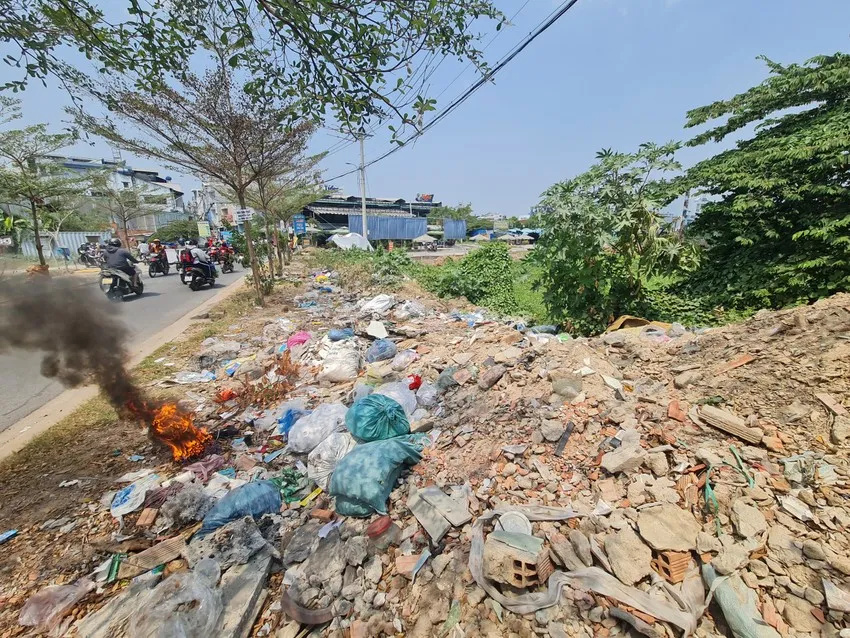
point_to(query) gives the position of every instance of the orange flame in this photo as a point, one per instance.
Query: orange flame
(176, 429)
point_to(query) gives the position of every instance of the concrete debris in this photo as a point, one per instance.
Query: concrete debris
(629, 557)
(748, 520)
(232, 544)
(668, 527)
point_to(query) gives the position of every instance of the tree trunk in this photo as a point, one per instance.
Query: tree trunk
(287, 253)
(252, 256)
(279, 252)
(126, 233)
(37, 236)
(269, 246)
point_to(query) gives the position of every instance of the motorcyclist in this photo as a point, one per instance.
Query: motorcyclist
(200, 257)
(119, 258)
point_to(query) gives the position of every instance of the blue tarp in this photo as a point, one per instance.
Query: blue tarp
(389, 227)
(454, 229)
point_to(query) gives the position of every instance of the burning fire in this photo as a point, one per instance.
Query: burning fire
(174, 428)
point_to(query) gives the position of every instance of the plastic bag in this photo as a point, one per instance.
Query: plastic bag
(404, 359)
(362, 389)
(297, 339)
(285, 423)
(364, 478)
(339, 334)
(131, 498)
(324, 458)
(380, 305)
(446, 379)
(185, 605)
(426, 395)
(271, 417)
(377, 417)
(401, 392)
(252, 499)
(381, 350)
(46, 608)
(342, 362)
(314, 428)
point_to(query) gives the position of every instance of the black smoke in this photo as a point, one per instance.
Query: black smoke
(68, 319)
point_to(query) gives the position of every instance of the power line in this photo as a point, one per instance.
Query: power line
(340, 146)
(552, 19)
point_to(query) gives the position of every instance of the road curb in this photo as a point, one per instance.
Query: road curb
(18, 435)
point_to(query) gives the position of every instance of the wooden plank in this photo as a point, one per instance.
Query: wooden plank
(455, 512)
(730, 423)
(832, 403)
(428, 516)
(159, 554)
(737, 362)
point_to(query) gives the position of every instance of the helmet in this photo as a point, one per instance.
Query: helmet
(115, 242)
(155, 240)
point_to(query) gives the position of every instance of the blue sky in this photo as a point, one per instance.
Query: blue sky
(610, 73)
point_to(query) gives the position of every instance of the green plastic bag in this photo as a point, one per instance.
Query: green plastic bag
(363, 478)
(375, 418)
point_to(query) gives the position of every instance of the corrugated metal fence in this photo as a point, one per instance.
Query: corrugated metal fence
(389, 227)
(70, 240)
(454, 229)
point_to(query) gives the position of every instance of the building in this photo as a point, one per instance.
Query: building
(332, 211)
(211, 206)
(160, 192)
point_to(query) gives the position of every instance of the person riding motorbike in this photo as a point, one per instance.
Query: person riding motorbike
(119, 258)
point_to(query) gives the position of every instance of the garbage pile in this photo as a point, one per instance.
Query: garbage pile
(392, 466)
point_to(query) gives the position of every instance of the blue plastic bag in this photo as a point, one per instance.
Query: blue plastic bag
(285, 423)
(363, 478)
(376, 417)
(381, 350)
(252, 499)
(338, 334)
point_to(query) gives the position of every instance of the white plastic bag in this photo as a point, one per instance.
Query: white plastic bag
(314, 428)
(342, 362)
(323, 459)
(401, 392)
(131, 498)
(426, 395)
(378, 305)
(185, 605)
(404, 359)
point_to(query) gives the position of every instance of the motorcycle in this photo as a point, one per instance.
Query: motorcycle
(228, 264)
(87, 257)
(158, 265)
(199, 275)
(117, 284)
(184, 264)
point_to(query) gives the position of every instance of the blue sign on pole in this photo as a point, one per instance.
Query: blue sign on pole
(299, 223)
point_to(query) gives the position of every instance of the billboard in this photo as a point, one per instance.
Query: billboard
(425, 197)
(299, 224)
(500, 224)
(204, 229)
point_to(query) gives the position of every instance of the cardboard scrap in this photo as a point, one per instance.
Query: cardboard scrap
(159, 554)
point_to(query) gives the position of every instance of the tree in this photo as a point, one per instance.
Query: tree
(26, 179)
(124, 205)
(280, 200)
(357, 59)
(603, 236)
(777, 223)
(207, 126)
(178, 229)
(461, 211)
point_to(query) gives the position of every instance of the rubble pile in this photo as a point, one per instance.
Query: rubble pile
(385, 466)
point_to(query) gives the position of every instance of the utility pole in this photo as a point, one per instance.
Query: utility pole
(363, 184)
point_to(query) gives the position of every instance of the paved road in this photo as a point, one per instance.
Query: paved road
(23, 389)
